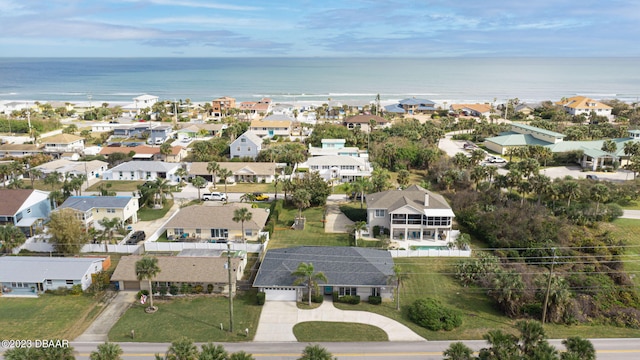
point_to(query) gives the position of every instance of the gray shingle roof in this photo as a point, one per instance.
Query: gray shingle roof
(33, 269)
(343, 266)
(85, 203)
(413, 196)
(154, 166)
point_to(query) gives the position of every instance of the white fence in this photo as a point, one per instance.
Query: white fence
(430, 253)
(179, 246)
(87, 248)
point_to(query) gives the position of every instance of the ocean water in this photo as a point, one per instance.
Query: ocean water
(318, 79)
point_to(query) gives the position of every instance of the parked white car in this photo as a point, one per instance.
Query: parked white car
(497, 160)
(215, 196)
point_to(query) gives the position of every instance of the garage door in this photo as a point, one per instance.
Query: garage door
(131, 285)
(280, 294)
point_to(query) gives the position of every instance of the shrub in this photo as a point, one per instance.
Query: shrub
(336, 297)
(376, 231)
(209, 288)
(173, 289)
(163, 290)
(261, 298)
(375, 300)
(430, 314)
(76, 289)
(350, 299)
(198, 289)
(318, 298)
(142, 292)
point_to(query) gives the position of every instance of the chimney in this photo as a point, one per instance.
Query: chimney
(426, 199)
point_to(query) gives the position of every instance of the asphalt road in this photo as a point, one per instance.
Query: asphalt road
(607, 349)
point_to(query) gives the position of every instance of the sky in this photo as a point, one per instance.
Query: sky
(301, 28)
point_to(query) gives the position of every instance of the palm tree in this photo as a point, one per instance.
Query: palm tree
(199, 182)
(458, 351)
(478, 173)
(316, 352)
(531, 335)
(183, 349)
(570, 190)
(211, 351)
(306, 273)
(302, 200)
(147, 268)
(248, 197)
(107, 351)
(276, 182)
(599, 193)
(11, 237)
(583, 348)
(225, 174)
(108, 226)
(399, 277)
(241, 215)
(162, 188)
(34, 174)
(165, 150)
(503, 346)
(212, 168)
(52, 179)
(508, 289)
(358, 226)
(182, 174)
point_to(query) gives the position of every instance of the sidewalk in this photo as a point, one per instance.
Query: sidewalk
(98, 331)
(278, 318)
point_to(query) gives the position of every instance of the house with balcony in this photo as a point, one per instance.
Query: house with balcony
(412, 106)
(336, 147)
(247, 145)
(411, 214)
(27, 209)
(63, 143)
(91, 209)
(271, 128)
(338, 168)
(582, 105)
(144, 101)
(221, 106)
(143, 170)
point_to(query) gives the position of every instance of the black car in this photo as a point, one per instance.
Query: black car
(136, 237)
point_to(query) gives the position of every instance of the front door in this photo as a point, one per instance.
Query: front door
(328, 290)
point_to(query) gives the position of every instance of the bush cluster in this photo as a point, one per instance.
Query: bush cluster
(349, 299)
(375, 300)
(260, 298)
(430, 314)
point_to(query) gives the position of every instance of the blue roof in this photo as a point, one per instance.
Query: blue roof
(395, 108)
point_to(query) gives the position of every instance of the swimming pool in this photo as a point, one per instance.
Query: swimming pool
(425, 247)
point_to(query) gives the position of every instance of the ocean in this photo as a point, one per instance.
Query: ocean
(291, 80)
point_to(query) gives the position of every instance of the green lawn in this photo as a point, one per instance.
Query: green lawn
(47, 317)
(315, 331)
(149, 214)
(198, 318)
(117, 185)
(627, 230)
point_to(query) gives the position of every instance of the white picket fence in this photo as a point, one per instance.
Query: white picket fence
(431, 253)
(87, 248)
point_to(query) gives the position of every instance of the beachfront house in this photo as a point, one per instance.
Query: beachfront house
(31, 275)
(91, 209)
(222, 106)
(269, 129)
(411, 214)
(204, 223)
(144, 101)
(412, 106)
(143, 170)
(475, 110)
(351, 271)
(27, 209)
(247, 145)
(582, 105)
(253, 108)
(338, 168)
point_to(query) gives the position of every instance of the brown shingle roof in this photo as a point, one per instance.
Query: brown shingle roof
(12, 200)
(364, 119)
(61, 139)
(257, 168)
(215, 217)
(179, 269)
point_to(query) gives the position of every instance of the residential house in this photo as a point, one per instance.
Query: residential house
(26, 209)
(221, 106)
(143, 170)
(338, 168)
(336, 147)
(476, 110)
(522, 135)
(364, 122)
(138, 130)
(91, 209)
(11, 106)
(253, 108)
(25, 275)
(147, 153)
(269, 129)
(182, 270)
(412, 106)
(159, 133)
(63, 143)
(91, 169)
(204, 223)
(582, 105)
(251, 172)
(19, 150)
(144, 101)
(411, 214)
(246, 145)
(352, 271)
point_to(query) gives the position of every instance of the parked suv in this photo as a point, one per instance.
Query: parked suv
(260, 196)
(136, 237)
(215, 196)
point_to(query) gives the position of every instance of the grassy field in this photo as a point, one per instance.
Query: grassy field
(116, 185)
(315, 331)
(627, 230)
(148, 214)
(47, 317)
(198, 317)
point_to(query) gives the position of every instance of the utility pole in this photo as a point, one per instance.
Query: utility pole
(230, 288)
(546, 296)
(29, 122)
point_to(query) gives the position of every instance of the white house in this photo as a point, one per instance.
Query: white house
(336, 147)
(246, 145)
(338, 167)
(144, 101)
(143, 170)
(582, 105)
(22, 275)
(91, 209)
(411, 214)
(92, 169)
(271, 128)
(62, 143)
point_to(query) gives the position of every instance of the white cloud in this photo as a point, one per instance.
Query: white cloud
(202, 4)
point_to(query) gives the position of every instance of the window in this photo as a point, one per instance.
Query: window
(220, 233)
(437, 221)
(111, 211)
(379, 213)
(178, 231)
(198, 231)
(375, 291)
(248, 232)
(238, 148)
(69, 282)
(243, 140)
(249, 149)
(49, 282)
(148, 174)
(347, 291)
(29, 211)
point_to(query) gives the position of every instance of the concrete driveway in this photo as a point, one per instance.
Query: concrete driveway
(99, 329)
(336, 220)
(278, 318)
